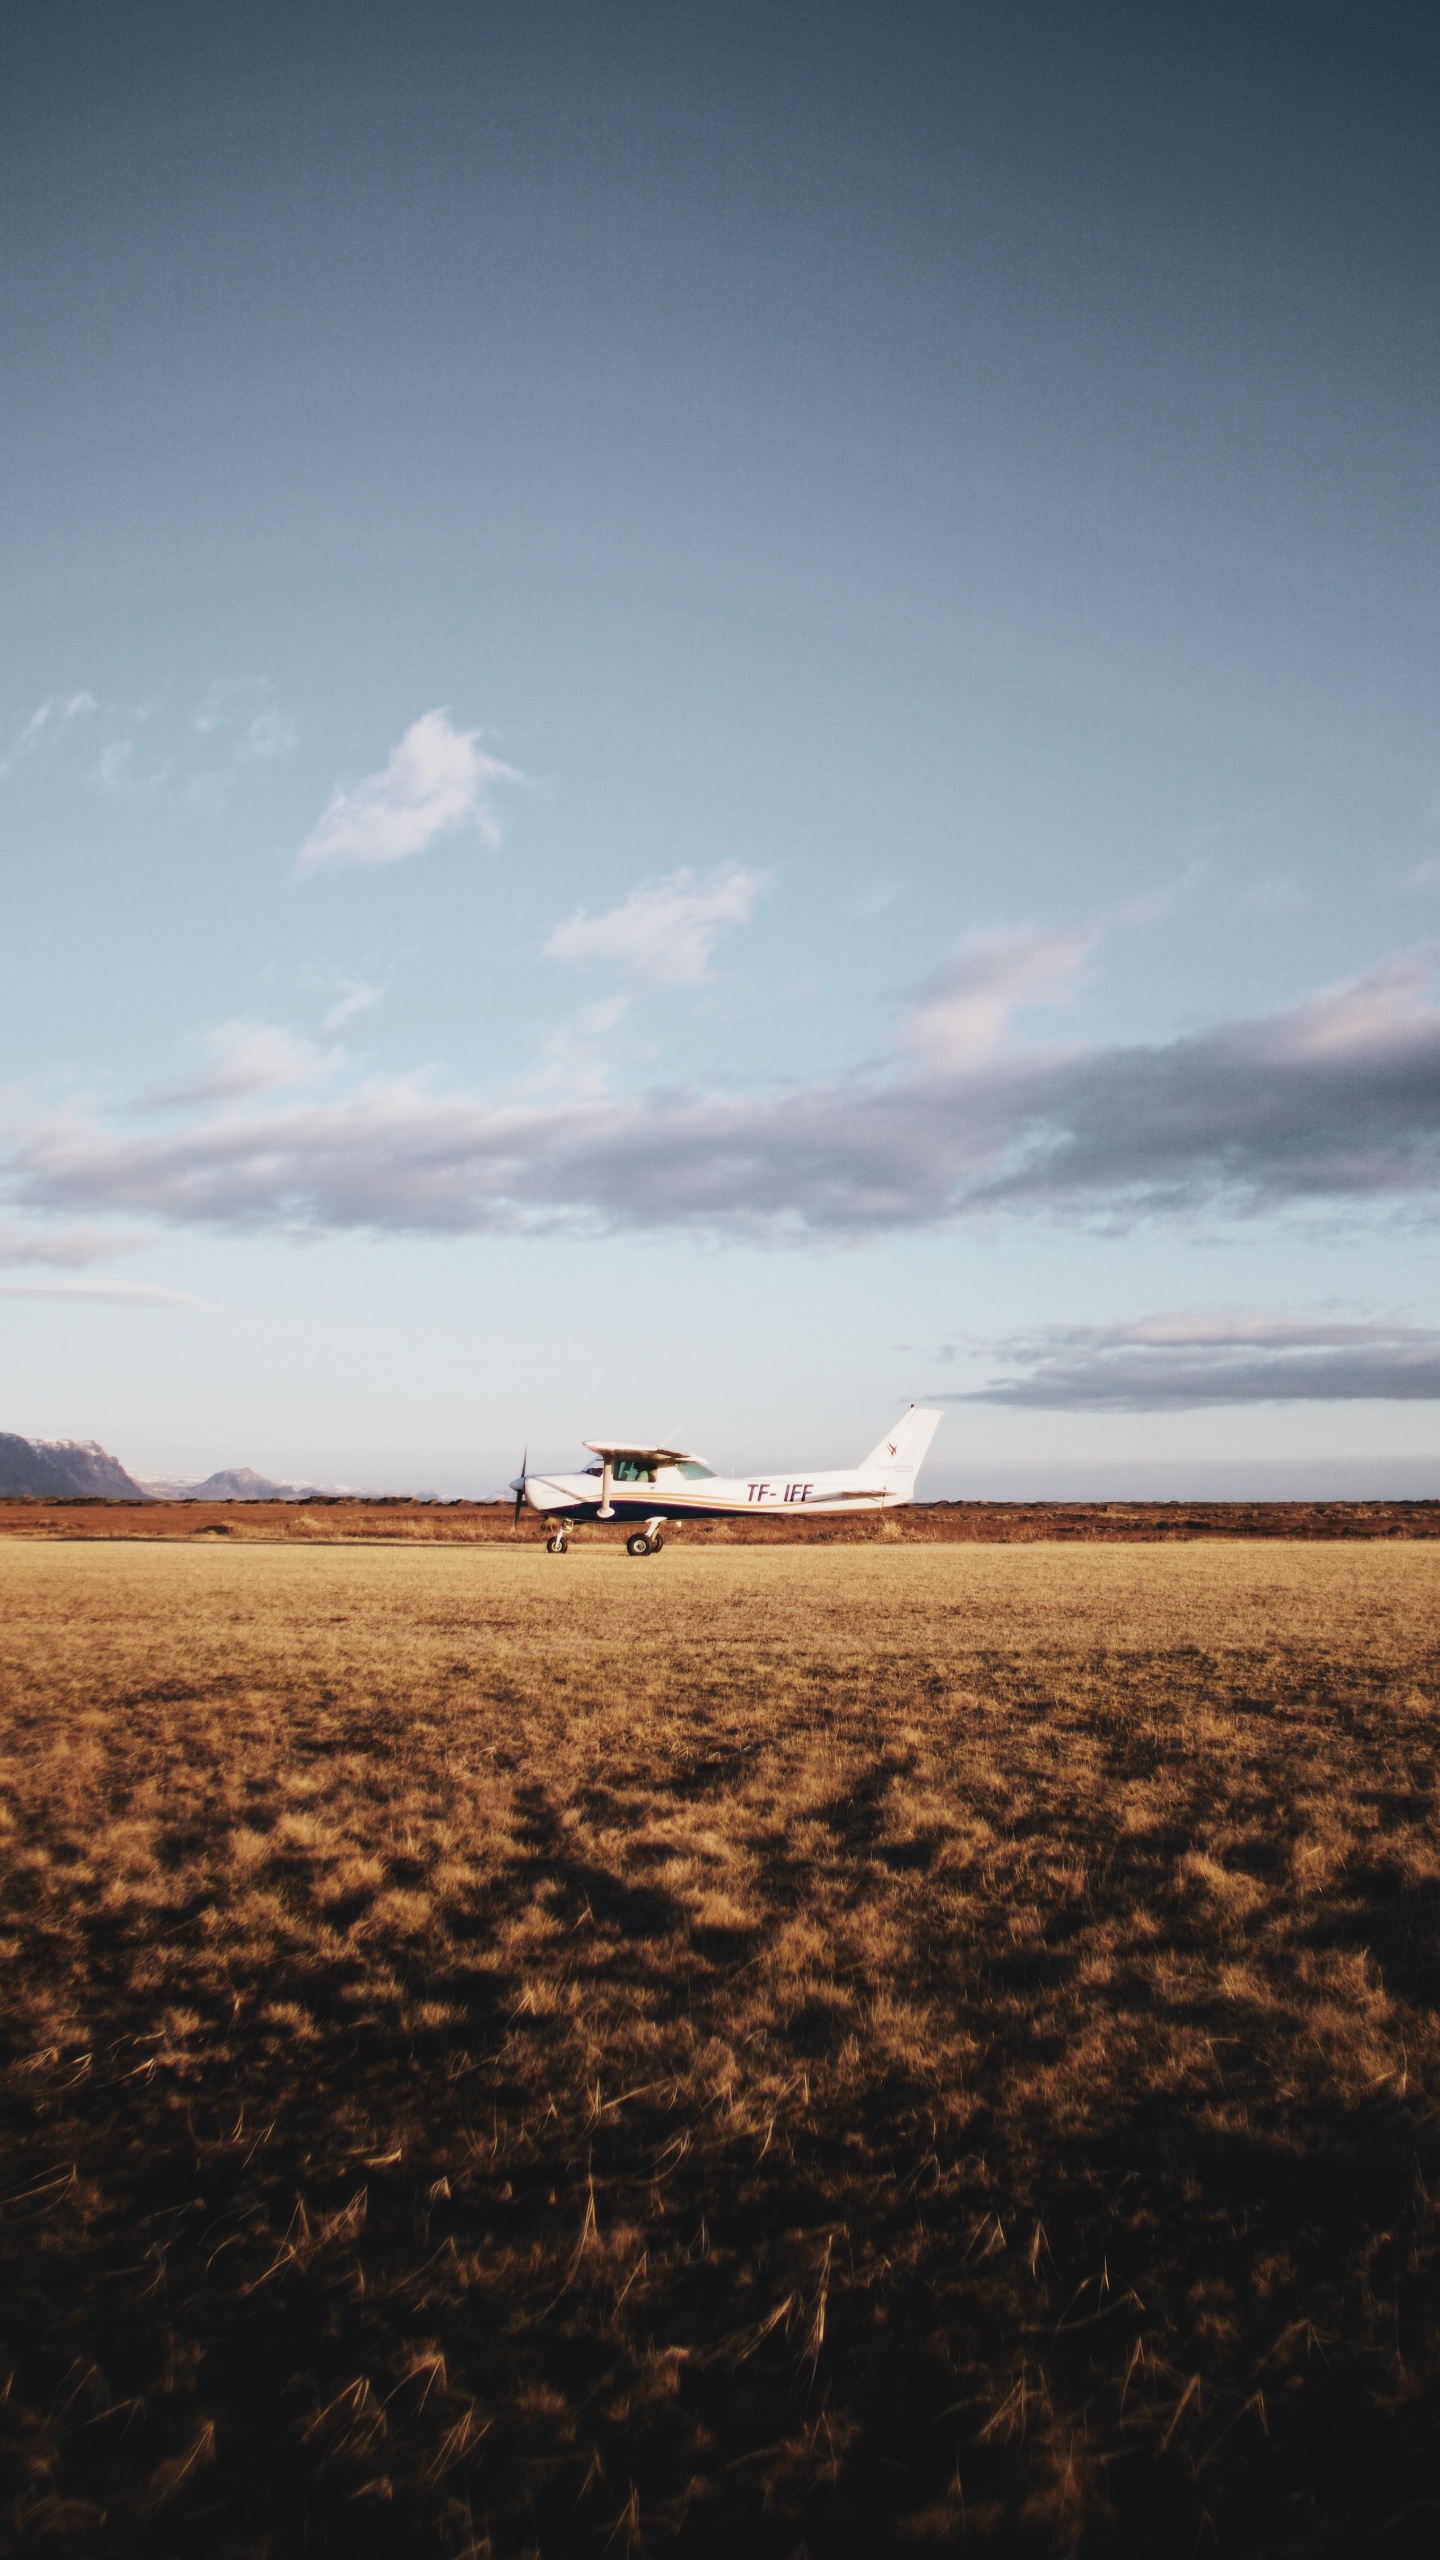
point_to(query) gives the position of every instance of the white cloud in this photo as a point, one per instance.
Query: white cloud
(438, 779)
(120, 776)
(1274, 898)
(56, 1247)
(1386, 1008)
(237, 716)
(349, 994)
(965, 1010)
(48, 722)
(101, 1293)
(1334, 1101)
(271, 732)
(664, 934)
(1174, 1362)
(245, 1057)
(243, 709)
(872, 900)
(54, 716)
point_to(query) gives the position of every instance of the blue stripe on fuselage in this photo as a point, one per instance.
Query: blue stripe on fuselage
(631, 1510)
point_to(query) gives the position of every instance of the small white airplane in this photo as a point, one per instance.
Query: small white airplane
(646, 1486)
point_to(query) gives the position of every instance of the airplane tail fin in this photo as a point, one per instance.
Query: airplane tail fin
(902, 1451)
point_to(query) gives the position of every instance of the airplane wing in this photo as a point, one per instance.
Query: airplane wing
(641, 1449)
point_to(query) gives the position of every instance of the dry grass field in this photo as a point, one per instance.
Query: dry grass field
(771, 2051)
(394, 1519)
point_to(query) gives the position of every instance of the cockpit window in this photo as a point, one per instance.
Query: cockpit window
(691, 1467)
(632, 1470)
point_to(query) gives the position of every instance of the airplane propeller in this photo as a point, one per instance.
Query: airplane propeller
(517, 1487)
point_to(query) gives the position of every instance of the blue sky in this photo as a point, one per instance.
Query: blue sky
(714, 716)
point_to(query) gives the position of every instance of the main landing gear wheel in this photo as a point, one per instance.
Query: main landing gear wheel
(556, 1546)
(640, 1545)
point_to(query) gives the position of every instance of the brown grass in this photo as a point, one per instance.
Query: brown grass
(395, 1520)
(841, 2051)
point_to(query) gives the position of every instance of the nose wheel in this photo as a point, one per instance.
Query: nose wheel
(557, 1546)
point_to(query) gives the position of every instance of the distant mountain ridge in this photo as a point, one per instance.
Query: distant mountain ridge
(52, 1470)
(71, 1470)
(228, 1484)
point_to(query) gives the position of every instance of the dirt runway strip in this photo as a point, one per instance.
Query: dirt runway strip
(853, 2049)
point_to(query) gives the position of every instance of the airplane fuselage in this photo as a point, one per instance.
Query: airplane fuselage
(671, 1494)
